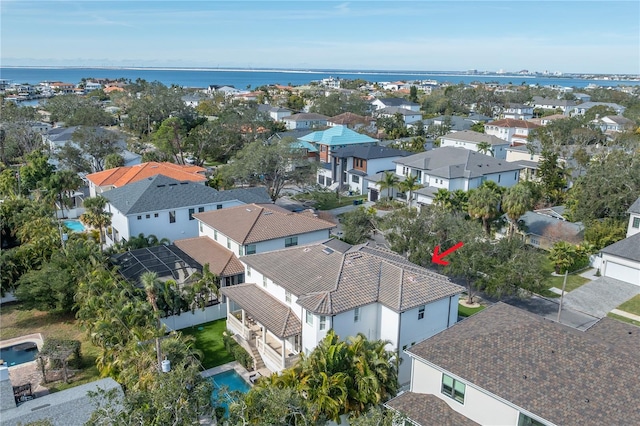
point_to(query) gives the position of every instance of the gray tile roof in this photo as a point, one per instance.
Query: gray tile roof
(427, 410)
(635, 207)
(71, 407)
(629, 248)
(264, 308)
(327, 282)
(252, 223)
(453, 162)
(474, 137)
(565, 376)
(552, 227)
(369, 152)
(162, 193)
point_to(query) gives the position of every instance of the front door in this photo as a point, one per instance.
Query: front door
(373, 195)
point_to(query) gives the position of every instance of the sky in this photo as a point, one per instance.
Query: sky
(566, 36)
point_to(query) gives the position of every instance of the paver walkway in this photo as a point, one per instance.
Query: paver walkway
(600, 296)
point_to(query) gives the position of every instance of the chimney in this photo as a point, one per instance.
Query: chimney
(7, 401)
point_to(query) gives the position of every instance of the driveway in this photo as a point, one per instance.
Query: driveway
(600, 296)
(548, 308)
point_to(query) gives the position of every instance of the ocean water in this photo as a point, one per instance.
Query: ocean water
(243, 78)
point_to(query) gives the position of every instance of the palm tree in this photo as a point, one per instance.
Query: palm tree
(149, 281)
(95, 215)
(389, 181)
(410, 184)
(485, 148)
(562, 255)
(516, 201)
(459, 200)
(63, 183)
(483, 204)
(442, 198)
(204, 285)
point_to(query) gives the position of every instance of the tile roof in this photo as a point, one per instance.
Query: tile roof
(455, 162)
(512, 122)
(277, 317)
(629, 248)
(474, 137)
(369, 152)
(337, 136)
(635, 207)
(350, 118)
(328, 282)
(252, 223)
(120, 176)
(552, 227)
(163, 193)
(553, 371)
(203, 250)
(427, 410)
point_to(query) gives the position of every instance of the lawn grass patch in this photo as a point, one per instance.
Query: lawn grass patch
(573, 282)
(327, 200)
(15, 322)
(465, 311)
(632, 305)
(624, 319)
(209, 341)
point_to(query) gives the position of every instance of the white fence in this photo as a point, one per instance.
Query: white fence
(188, 319)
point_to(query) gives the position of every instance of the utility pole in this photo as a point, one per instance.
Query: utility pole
(564, 285)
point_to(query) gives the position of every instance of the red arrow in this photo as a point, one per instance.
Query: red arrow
(439, 258)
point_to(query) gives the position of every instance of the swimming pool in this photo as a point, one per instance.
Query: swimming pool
(232, 381)
(19, 353)
(74, 225)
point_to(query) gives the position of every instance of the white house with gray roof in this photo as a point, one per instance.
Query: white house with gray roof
(165, 207)
(468, 139)
(293, 297)
(382, 103)
(454, 168)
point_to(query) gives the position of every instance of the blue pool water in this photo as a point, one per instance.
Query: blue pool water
(19, 354)
(232, 381)
(74, 225)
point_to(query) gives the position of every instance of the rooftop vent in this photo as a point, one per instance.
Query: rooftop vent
(327, 250)
(162, 185)
(306, 249)
(173, 184)
(184, 183)
(267, 213)
(248, 210)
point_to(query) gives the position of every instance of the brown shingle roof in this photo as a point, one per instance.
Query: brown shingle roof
(558, 373)
(266, 309)
(328, 282)
(203, 250)
(252, 223)
(428, 410)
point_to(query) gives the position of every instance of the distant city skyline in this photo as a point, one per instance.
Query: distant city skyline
(600, 37)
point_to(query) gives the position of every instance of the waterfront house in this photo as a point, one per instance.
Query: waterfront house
(468, 139)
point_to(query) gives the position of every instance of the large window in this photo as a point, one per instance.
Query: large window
(250, 249)
(291, 241)
(453, 388)
(524, 420)
(309, 318)
(355, 179)
(421, 312)
(636, 222)
(191, 212)
(172, 216)
(323, 322)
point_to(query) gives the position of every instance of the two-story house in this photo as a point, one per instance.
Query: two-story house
(506, 366)
(305, 120)
(613, 124)
(351, 120)
(453, 168)
(582, 108)
(294, 296)
(408, 116)
(468, 139)
(381, 103)
(326, 142)
(354, 164)
(511, 130)
(517, 111)
(540, 102)
(165, 207)
(105, 180)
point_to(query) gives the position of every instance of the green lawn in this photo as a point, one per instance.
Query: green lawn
(632, 305)
(573, 282)
(465, 311)
(625, 319)
(325, 200)
(209, 341)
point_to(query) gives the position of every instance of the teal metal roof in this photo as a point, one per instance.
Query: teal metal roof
(337, 136)
(305, 145)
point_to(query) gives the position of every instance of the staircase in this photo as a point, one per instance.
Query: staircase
(258, 363)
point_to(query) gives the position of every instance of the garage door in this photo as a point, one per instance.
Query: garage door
(622, 273)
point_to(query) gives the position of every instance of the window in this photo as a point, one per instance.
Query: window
(321, 180)
(219, 206)
(355, 179)
(291, 241)
(148, 216)
(264, 282)
(323, 322)
(172, 216)
(139, 217)
(155, 215)
(328, 182)
(524, 420)
(248, 271)
(250, 249)
(200, 226)
(309, 318)
(215, 234)
(453, 388)
(356, 315)
(421, 312)
(191, 212)
(240, 250)
(636, 222)
(499, 176)
(228, 243)
(200, 209)
(287, 296)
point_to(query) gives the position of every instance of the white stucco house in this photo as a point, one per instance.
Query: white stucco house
(293, 297)
(165, 207)
(305, 121)
(468, 139)
(511, 130)
(506, 366)
(517, 111)
(582, 108)
(408, 116)
(381, 103)
(452, 168)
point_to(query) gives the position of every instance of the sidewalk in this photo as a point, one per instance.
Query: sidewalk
(626, 314)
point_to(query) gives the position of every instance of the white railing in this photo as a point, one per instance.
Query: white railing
(273, 355)
(235, 325)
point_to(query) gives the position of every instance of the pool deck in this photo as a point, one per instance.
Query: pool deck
(29, 372)
(235, 365)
